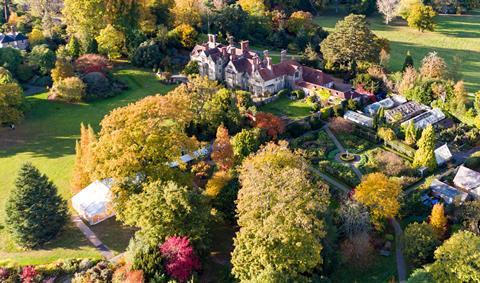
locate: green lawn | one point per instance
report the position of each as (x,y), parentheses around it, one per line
(454,36)
(293,109)
(47,139)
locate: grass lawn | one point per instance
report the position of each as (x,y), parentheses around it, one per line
(454,36)
(293,109)
(46,138)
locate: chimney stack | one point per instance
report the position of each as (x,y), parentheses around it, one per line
(283,55)
(244,46)
(233,54)
(224,52)
(269,63)
(230,40)
(256,62)
(212,38)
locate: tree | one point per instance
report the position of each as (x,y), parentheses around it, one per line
(338,49)
(409,80)
(420,275)
(354,219)
(222,153)
(84,18)
(470,215)
(421,17)
(458,259)
(420,243)
(111,42)
(408,62)
(89,63)
(147,55)
(185,34)
(215,185)
(141,255)
(380,195)
(10,59)
(246,142)
(42,58)
(358,250)
(142,139)
(433,66)
(438,221)
(186,12)
(73,47)
(389,9)
(82,170)
(166,208)
(410,133)
(63,69)
(425,155)
(180,258)
(35,213)
(341,125)
(191,68)
(36,37)
(384,58)
(299,20)
(11,103)
(271,124)
(253,7)
(70,89)
(279,213)
(386,134)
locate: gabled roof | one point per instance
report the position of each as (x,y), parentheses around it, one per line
(17,36)
(315,76)
(467,178)
(6,38)
(287,67)
(448,193)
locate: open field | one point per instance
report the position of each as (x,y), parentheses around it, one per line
(454,36)
(293,109)
(46,138)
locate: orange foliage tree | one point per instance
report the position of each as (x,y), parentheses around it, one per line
(222,152)
(84,160)
(272,124)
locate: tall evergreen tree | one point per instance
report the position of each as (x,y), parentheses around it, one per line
(35,212)
(438,221)
(425,155)
(408,61)
(410,133)
(73,47)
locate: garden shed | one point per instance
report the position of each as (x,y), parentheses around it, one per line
(94,203)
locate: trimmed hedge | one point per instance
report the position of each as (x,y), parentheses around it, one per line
(401,147)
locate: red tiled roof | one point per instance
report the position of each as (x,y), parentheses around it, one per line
(287,67)
(315,76)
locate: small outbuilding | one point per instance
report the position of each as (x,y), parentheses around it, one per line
(448,193)
(94,203)
(359,118)
(443,155)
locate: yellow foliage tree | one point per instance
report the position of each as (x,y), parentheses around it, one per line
(438,221)
(215,185)
(82,170)
(381,195)
(36,37)
(187,12)
(253,7)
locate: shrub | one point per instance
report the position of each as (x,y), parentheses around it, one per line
(97,85)
(24,72)
(29,274)
(70,89)
(473,162)
(191,68)
(420,243)
(89,63)
(5,76)
(146,257)
(216,184)
(284,92)
(298,93)
(180,258)
(42,58)
(343,172)
(10,58)
(101,272)
(147,55)
(271,124)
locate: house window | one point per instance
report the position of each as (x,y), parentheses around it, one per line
(297,75)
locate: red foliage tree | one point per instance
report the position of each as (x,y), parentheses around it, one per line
(180,258)
(90,63)
(222,152)
(28,274)
(272,124)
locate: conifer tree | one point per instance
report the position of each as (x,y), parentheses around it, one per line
(438,221)
(425,155)
(410,133)
(222,152)
(73,47)
(35,212)
(82,172)
(408,61)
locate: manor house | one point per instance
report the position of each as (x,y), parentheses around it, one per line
(244,69)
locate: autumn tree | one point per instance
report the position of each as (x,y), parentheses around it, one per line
(36,37)
(222,153)
(420,243)
(111,42)
(246,142)
(84,159)
(279,213)
(73,47)
(358,250)
(438,221)
(63,69)
(421,17)
(425,154)
(386,134)
(11,103)
(337,48)
(381,195)
(410,133)
(167,208)
(457,259)
(433,66)
(408,81)
(35,212)
(186,12)
(341,125)
(299,20)
(185,34)
(354,219)
(389,9)
(215,184)
(84,18)
(142,139)
(271,124)
(71,89)
(253,7)
(180,258)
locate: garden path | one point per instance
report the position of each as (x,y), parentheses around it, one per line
(330,180)
(101,247)
(341,149)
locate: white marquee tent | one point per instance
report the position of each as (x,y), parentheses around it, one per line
(94,203)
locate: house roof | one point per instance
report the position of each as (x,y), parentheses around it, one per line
(443,154)
(4,38)
(406,111)
(467,178)
(448,193)
(424,119)
(358,118)
(287,67)
(315,76)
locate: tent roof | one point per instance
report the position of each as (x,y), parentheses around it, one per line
(94,198)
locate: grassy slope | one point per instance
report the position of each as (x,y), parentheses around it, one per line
(47,139)
(454,36)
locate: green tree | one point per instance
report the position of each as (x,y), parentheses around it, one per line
(35,213)
(410,133)
(420,243)
(42,58)
(10,58)
(11,103)
(337,48)
(246,142)
(458,259)
(425,155)
(408,62)
(70,89)
(163,209)
(63,69)
(147,55)
(84,18)
(421,275)
(422,18)
(73,47)
(280,217)
(185,34)
(111,42)
(6,77)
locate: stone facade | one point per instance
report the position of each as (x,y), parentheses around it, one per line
(241,68)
